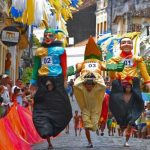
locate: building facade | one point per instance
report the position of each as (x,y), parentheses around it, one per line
(101,17)
(128,15)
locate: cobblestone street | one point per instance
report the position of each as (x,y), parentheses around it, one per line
(71,142)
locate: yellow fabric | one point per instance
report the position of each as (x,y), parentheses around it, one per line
(143,71)
(113,124)
(90,103)
(135,43)
(43,71)
(30,9)
(131,35)
(41,52)
(148,123)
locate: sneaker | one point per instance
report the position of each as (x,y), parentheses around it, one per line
(89,146)
(50,147)
(126,144)
(102,134)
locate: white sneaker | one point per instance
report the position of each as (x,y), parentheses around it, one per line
(126,144)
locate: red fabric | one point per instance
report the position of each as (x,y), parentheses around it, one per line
(104,112)
(14,98)
(147,82)
(126,55)
(63,62)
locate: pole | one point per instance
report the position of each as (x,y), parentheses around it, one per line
(111,8)
(30,33)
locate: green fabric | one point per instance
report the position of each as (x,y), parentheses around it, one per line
(37,65)
(50,30)
(54,31)
(109,55)
(109,122)
(92,56)
(115,67)
(70,71)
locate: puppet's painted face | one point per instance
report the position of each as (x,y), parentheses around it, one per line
(126,45)
(49,38)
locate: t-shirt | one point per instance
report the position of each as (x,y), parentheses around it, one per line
(5,96)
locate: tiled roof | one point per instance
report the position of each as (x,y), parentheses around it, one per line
(86,3)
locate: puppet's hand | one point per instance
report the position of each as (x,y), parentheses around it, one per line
(115,67)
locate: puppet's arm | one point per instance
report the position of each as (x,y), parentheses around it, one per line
(63,62)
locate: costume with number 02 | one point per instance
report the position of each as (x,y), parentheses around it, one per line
(127,114)
(90,102)
(52,110)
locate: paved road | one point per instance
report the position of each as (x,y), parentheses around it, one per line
(71,142)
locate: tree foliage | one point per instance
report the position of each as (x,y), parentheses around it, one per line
(26,76)
(147,62)
(36,41)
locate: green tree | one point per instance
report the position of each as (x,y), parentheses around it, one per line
(27,74)
(36,41)
(147,62)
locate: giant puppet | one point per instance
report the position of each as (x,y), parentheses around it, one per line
(126,102)
(52,110)
(89,87)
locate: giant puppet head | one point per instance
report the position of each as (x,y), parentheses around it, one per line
(50,35)
(126,45)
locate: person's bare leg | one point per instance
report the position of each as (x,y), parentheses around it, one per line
(75,131)
(80,131)
(128,134)
(50,146)
(87,133)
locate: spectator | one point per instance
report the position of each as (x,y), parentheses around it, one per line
(76,122)
(5,95)
(71,83)
(1,99)
(20,94)
(147,116)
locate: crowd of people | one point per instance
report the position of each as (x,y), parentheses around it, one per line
(11,94)
(16,105)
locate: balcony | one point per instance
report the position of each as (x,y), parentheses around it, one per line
(3,7)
